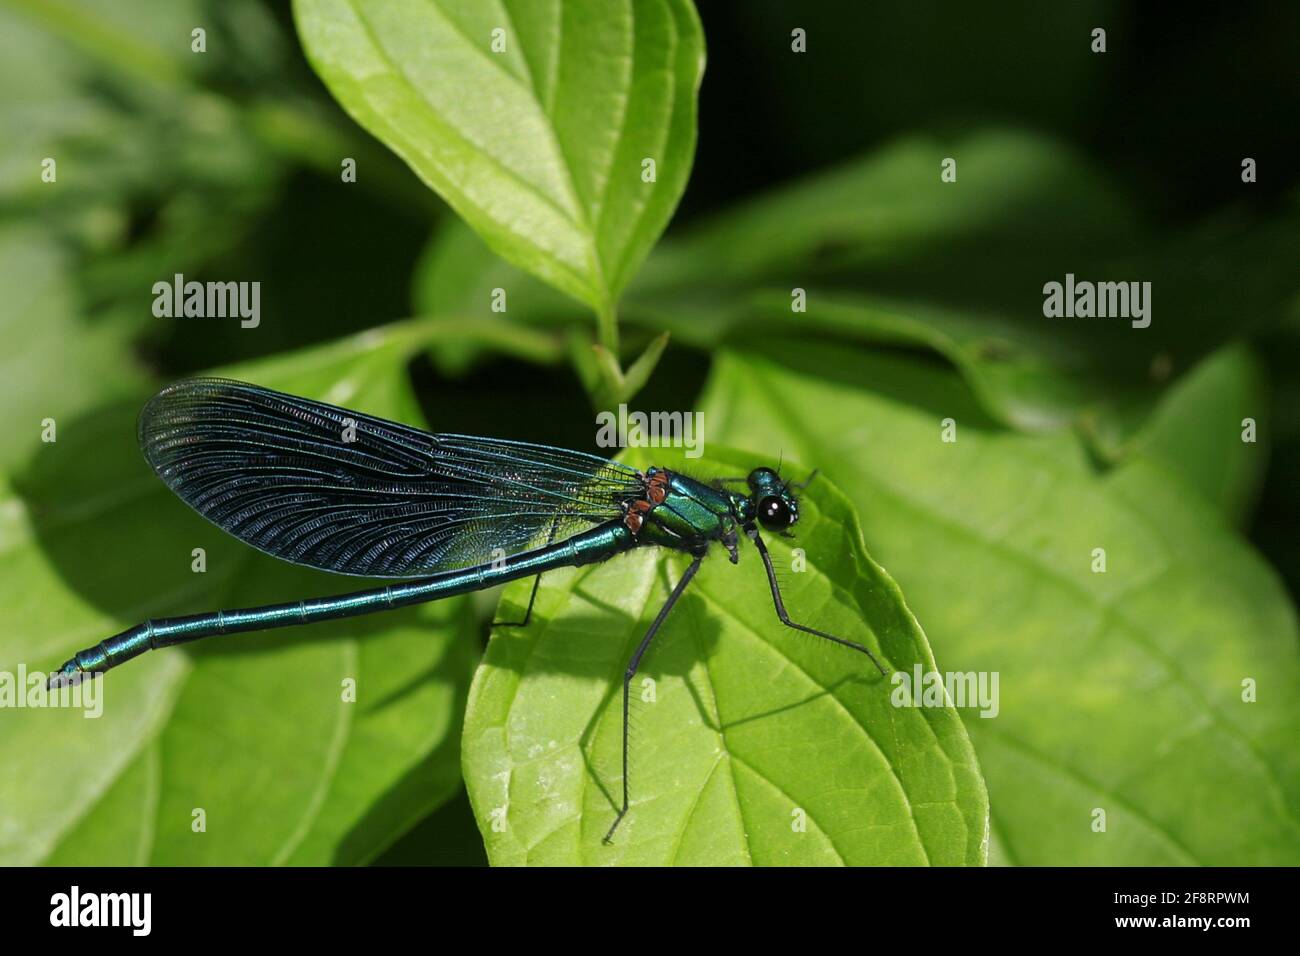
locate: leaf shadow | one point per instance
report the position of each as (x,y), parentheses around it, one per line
(828,691)
(571,651)
(427,784)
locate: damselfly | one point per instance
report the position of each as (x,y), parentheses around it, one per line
(329,488)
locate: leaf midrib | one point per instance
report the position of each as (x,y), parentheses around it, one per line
(400,73)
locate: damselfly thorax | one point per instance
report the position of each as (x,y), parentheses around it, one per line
(684,514)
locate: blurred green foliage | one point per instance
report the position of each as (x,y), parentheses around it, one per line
(820,171)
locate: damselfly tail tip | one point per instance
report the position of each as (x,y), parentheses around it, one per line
(70,673)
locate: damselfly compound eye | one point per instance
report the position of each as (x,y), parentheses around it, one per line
(774,514)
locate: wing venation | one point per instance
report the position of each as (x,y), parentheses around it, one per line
(335,489)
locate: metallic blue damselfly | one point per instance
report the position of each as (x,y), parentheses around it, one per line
(334,489)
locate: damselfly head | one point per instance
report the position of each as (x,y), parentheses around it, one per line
(774,506)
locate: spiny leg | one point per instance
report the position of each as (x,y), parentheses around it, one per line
(528,614)
(785,617)
(631,672)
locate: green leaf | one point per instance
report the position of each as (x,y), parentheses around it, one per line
(456,275)
(1187,434)
(612,384)
(538,146)
(109,91)
(751,722)
(136,36)
(1032,377)
(886,252)
(837,233)
(639,372)
(1120,691)
(609,377)
(888,209)
(251,729)
(54,366)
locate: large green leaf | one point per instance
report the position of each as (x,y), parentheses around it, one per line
(751,723)
(540,144)
(1186,432)
(1120,691)
(54,365)
(251,729)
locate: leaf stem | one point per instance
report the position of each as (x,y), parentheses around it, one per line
(609,369)
(607,327)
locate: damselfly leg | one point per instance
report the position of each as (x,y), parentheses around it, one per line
(784,615)
(631,672)
(532,597)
